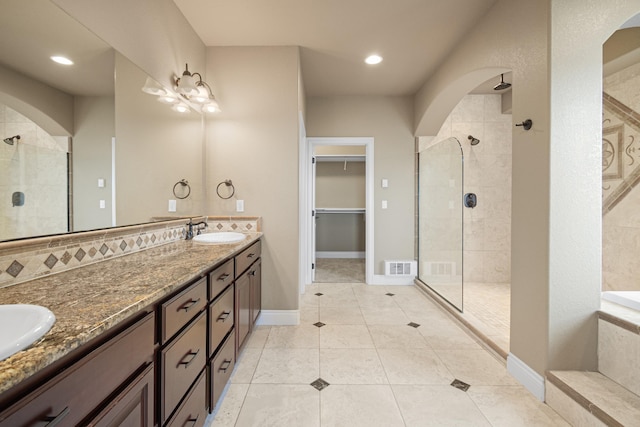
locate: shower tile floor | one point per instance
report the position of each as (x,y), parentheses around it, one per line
(487,306)
(390,357)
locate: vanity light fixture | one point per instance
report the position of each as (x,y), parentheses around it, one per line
(168,99)
(373,59)
(152,87)
(181,107)
(196,90)
(62,60)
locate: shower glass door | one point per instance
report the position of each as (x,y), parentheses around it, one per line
(440,219)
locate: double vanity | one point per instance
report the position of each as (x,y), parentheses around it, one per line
(150,338)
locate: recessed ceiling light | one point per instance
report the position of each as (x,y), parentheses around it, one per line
(62,60)
(373,59)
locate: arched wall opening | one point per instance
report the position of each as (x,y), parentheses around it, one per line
(556,58)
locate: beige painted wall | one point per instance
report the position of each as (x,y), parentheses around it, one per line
(254,142)
(554,48)
(389,121)
(340,188)
(155,148)
(94,128)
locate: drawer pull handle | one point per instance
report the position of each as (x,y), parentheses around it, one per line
(223,277)
(188,362)
(223,317)
(251,255)
(189,304)
(53,421)
(225,365)
(193,420)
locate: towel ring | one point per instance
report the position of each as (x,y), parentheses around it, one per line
(228,183)
(184,183)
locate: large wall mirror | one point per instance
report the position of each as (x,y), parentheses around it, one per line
(94,151)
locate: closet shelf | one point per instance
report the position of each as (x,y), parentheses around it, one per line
(340,158)
(340,210)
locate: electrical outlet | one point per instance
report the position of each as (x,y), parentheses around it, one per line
(172,205)
(384,204)
(239,205)
(103,204)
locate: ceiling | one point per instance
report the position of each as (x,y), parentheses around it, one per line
(31,31)
(413,36)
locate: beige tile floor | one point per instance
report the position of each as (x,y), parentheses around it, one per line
(380,370)
(339,270)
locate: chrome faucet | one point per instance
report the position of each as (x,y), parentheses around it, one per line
(198,227)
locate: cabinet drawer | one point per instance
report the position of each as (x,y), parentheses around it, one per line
(245,258)
(183,307)
(193,410)
(221,369)
(220,278)
(220,319)
(69,397)
(181,363)
(133,407)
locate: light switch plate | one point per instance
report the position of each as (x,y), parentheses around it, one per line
(385,183)
(239,205)
(100,182)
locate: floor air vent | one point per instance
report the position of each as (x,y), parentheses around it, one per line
(400,268)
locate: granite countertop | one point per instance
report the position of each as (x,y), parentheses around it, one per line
(89,300)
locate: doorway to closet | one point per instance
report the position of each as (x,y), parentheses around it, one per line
(340,193)
(340,197)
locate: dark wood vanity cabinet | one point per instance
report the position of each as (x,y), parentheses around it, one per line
(248,292)
(167,366)
(111,384)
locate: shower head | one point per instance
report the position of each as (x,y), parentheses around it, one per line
(474,141)
(11,139)
(502,85)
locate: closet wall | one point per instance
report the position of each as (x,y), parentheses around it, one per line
(340,207)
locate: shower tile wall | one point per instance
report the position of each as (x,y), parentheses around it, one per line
(621,176)
(36,166)
(487,172)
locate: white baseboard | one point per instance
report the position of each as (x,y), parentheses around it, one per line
(530,379)
(381,279)
(279,317)
(340,254)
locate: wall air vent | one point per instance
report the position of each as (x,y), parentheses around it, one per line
(400,268)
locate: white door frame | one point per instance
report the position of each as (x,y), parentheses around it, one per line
(306,203)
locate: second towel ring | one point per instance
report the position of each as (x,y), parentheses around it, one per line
(184,183)
(228,183)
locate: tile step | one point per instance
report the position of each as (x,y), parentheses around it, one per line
(605,399)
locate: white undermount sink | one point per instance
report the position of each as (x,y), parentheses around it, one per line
(21,325)
(220,237)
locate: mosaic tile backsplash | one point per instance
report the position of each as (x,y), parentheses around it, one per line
(28,259)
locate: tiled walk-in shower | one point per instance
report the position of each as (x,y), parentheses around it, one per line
(386,355)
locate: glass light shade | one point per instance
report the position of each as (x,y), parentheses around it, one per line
(168,99)
(202,96)
(180,108)
(211,107)
(152,87)
(187,85)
